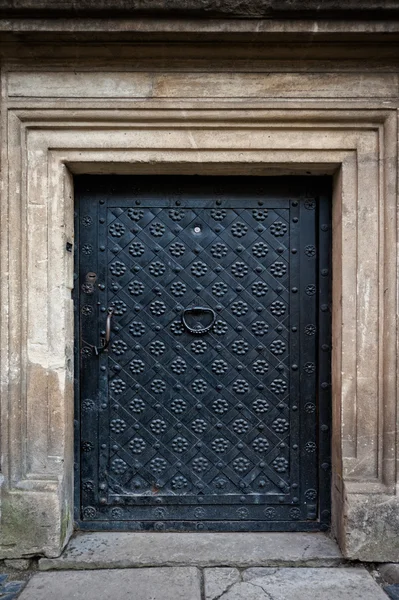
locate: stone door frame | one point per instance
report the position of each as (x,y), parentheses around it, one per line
(43,147)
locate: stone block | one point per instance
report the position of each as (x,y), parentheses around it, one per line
(126,550)
(140,584)
(302,584)
(18,564)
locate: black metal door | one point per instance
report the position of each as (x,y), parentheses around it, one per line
(210,407)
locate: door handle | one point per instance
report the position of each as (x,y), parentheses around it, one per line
(198,330)
(107,339)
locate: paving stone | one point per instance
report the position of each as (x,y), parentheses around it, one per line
(392,591)
(218,580)
(302,584)
(18,564)
(127,584)
(113,550)
(390,572)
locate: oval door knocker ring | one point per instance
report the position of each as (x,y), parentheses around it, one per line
(198,319)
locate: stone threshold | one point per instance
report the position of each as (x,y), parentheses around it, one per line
(122,550)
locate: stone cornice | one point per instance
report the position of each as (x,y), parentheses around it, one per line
(253,9)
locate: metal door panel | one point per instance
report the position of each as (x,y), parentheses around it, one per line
(221,429)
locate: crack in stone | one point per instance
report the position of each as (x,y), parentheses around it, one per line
(229,587)
(270,597)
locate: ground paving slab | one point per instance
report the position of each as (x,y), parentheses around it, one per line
(116,550)
(190,583)
(127,584)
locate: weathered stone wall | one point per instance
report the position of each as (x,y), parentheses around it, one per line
(313,108)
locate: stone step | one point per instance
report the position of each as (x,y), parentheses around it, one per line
(116,550)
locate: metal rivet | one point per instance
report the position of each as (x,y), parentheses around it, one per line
(102,201)
(218,229)
(218,202)
(117,368)
(280,368)
(259,348)
(103,368)
(178,202)
(279,329)
(324,272)
(295,203)
(102,248)
(262,464)
(280,250)
(198,406)
(294,407)
(103,446)
(115,447)
(103,405)
(325,466)
(101,286)
(260,202)
(218,269)
(259,269)
(294,486)
(259,309)
(294,329)
(324,427)
(295,220)
(279,290)
(103,501)
(239,288)
(325,347)
(294,367)
(294,290)
(138,202)
(282,445)
(219,426)
(295,447)
(239,328)
(261,426)
(324,227)
(295,499)
(294,251)
(325,385)
(218,347)
(260,229)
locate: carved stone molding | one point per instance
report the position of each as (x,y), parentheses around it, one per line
(45,142)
